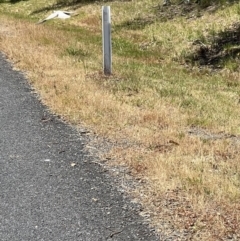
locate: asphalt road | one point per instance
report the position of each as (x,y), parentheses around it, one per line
(49,188)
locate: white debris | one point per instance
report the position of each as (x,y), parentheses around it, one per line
(57,14)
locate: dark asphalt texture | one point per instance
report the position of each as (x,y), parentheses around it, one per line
(43,196)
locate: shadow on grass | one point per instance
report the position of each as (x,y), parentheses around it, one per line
(71,3)
(11,1)
(135,24)
(188,9)
(220,50)
(175,8)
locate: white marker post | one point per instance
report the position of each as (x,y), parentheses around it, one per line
(106,36)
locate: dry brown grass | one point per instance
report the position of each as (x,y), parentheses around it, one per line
(190,176)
